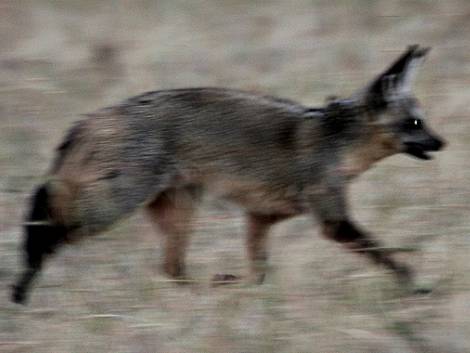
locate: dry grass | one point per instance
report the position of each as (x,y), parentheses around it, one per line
(60,59)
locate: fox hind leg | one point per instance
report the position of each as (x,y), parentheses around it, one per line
(172,211)
(256,243)
(58,215)
(258,226)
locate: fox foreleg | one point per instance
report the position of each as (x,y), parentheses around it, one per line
(348,234)
(330,208)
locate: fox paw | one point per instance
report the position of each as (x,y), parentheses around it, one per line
(221,279)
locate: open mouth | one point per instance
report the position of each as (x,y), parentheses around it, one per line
(419,151)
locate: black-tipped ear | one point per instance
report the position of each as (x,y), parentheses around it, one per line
(399,77)
(401,65)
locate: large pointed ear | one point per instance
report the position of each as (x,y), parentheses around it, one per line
(399,77)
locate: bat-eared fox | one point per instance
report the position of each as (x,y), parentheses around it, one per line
(275,158)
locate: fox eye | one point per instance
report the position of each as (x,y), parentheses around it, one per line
(413,123)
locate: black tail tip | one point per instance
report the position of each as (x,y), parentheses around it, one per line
(18,295)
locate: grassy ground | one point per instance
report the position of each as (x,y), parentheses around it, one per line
(59,59)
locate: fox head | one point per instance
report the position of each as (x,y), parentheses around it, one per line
(395,113)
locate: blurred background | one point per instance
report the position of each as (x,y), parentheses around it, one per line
(60,59)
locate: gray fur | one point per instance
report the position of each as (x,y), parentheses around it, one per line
(273,157)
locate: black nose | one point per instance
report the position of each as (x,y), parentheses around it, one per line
(439,144)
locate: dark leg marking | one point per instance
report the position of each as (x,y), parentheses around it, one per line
(346,233)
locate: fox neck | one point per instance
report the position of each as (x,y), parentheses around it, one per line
(365,143)
(372,147)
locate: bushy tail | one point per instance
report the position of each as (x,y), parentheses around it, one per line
(42,232)
(42,235)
